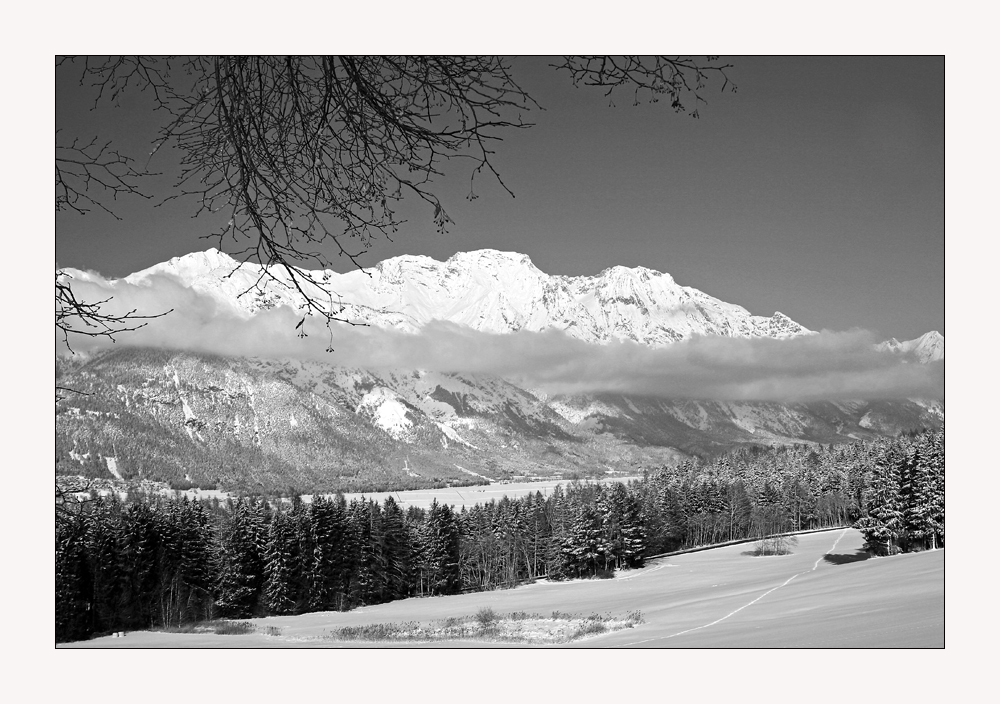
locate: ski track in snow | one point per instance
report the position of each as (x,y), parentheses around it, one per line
(733,613)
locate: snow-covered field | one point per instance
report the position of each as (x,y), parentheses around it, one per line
(822,595)
(469,495)
(422,498)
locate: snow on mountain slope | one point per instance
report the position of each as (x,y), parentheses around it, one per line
(386,411)
(489,291)
(929,347)
(314,425)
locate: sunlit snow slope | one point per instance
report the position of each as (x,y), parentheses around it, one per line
(490,291)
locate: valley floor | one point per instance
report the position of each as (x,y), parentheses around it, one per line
(824,594)
(458,497)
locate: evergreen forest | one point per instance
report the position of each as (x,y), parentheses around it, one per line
(158,563)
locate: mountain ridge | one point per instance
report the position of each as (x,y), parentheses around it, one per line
(250,422)
(490,296)
(486,290)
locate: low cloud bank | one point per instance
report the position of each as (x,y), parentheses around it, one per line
(827,365)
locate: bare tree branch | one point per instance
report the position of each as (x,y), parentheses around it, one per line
(88,318)
(675,77)
(87,172)
(303,151)
(72,496)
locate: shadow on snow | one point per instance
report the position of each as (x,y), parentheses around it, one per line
(846,559)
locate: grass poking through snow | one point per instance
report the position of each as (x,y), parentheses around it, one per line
(225,628)
(489,626)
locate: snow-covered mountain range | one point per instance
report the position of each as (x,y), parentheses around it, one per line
(489,291)
(313,424)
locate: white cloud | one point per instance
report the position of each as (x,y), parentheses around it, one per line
(827,365)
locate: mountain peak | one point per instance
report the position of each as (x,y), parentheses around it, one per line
(211,258)
(780,325)
(189,266)
(493,291)
(480,257)
(929,347)
(404,261)
(638,272)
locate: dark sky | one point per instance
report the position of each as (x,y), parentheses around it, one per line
(817,190)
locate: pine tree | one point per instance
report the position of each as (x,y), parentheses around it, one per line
(441,546)
(559,517)
(186,566)
(537,533)
(104,565)
(478,547)
(324,569)
(883,522)
(770,511)
(585,550)
(302,554)
(138,547)
(508,533)
(74,585)
(924,511)
(241,556)
(395,552)
(332,565)
(656,516)
(279,559)
(634,542)
(365,520)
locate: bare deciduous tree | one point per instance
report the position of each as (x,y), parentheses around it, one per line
(308,150)
(87,172)
(677,78)
(89,319)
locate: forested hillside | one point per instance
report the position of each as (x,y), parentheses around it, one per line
(154,562)
(270,426)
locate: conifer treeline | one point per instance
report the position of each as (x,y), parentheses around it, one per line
(162,563)
(904,499)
